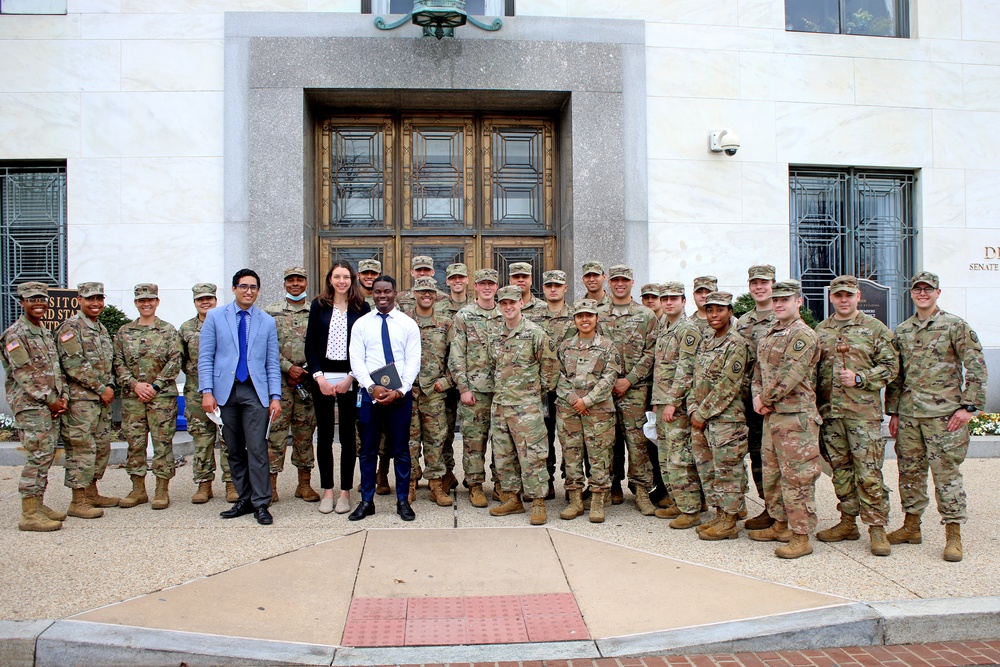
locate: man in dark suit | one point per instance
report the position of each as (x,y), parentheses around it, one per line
(239,370)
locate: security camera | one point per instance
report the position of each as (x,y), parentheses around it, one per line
(724,141)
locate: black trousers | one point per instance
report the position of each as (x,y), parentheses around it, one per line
(346,409)
(244,427)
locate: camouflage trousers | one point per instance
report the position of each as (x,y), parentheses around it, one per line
(705,464)
(591,436)
(475,434)
(86,434)
(428,432)
(728,441)
(204,436)
(673,448)
(630,410)
(39,436)
(298,415)
(521,446)
(790,451)
(158,419)
(925,442)
(854,448)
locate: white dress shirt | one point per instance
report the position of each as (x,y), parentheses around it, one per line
(366,347)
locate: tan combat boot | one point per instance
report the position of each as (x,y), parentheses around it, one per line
(32,518)
(847,529)
(725,529)
(880,543)
(598,499)
(777,532)
(231,494)
(97,500)
(274,488)
(161,498)
(797,547)
(908,533)
(81,508)
(538,515)
(203,494)
(953,542)
(642,501)
(685,521)
(438,494)
(575,507)
(759,522)
(449,481)
(137,496)
(666,502)
(51,514)
(711,522)
(511,505)
(617,495)
(476,496)
(382,477)
(670,511)
(304,490)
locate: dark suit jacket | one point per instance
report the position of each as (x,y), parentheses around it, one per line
(318,334)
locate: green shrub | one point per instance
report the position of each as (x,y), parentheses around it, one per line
(113,319)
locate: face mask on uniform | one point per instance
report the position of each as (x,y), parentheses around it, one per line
(295,298)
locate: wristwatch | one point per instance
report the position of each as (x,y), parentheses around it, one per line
(971,409)
(371,389)
(858,380)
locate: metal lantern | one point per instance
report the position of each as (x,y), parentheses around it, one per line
(438,18)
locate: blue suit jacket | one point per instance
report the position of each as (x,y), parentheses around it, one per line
(219,352)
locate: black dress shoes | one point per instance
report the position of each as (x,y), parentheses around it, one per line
(364,508)
(263,516)
(239,508)
(404,511)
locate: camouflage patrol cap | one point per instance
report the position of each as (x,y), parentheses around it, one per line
(844,284)
(457,269)
(295,271)
(203,289)
(786,288)
(711,283)
(592,267)
(519,269)
(32,288)
(557,277)
(487,275)
(651,288)
(585,306)
(672,288)
(620,271)
(147,291)
(926,277)
(719,299)
(87,290)
(422,262)
(509,293)
(424,284)
(372,265)
(761,271)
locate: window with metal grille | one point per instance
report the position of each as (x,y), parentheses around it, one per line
(881,18)
(32,230)
(852,221)
(473,7)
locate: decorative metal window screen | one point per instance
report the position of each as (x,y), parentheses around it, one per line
(881,18)
(32,231)
(855,222)
(357,177)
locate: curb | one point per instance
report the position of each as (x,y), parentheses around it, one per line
(11,453)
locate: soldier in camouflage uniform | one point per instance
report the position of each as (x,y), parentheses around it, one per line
(673,374)
(429,425)
(533,308)
(585,413)
(87,356)
(421,266)
(458,297)
(703,286)
(368,271)
(593,277)
(473,328)
(753,325)
(930,407)
(650,296)
(205,434)
(859,359)
(38,396)
(557,320)
(297,413)
(784,392)
(659,494)
(147,361)
(633,329)
(522,359)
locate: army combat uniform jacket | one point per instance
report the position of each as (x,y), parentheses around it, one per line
(589,371)
(87,355)
(871,353)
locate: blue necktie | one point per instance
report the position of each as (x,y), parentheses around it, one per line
(386,346)
(242,372)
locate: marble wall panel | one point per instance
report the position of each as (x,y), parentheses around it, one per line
(861,46)
(346,6)
(93,191)
(979,53)
(695,191)
(982,205)
(40,125)
(60,66)
(954,300)
(94,6)
(855,135)
(901,83)
(980,314)
(40,27)
(765,193)
(942,197)
(678,128)
(153,26)
(543,7)
(214,6)
(174,190)
(980,20)
(152,124)
(796,78)
(675,11)
(180,64)
(962,258)
(937,19)
(734,38)
(966,139)
(762,13)
(980,85)
(692,73)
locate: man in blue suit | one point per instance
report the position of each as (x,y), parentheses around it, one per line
(239,370)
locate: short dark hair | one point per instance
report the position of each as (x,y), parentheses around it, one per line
(243,273)
(385,279)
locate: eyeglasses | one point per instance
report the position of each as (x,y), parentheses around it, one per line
(247,288)
(923,290)
(36,299)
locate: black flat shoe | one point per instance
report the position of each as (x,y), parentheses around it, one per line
(263,516)
(364,508)
(404,511)
(239,508)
